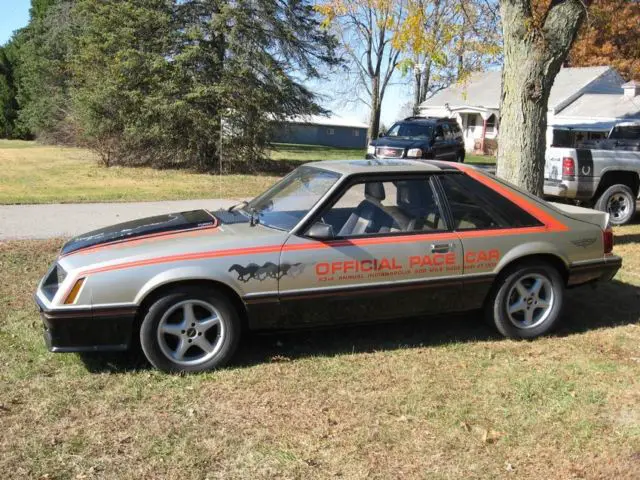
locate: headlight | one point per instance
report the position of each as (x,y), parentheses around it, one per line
(414,153)
(371,150)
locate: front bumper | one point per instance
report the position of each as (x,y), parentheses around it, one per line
(594,271)
(87,330)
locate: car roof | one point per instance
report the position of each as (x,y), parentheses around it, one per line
(350,167)
(429,120)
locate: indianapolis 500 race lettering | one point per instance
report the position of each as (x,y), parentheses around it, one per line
(415,264)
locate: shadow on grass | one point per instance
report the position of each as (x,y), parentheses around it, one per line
(610,305)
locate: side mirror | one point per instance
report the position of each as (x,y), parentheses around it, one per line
(320,231)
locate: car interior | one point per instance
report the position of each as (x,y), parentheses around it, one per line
(383,207)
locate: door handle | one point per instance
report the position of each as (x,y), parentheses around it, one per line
(440,247)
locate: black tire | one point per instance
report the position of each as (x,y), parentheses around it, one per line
(169,313)
(502,295)
(619,202)
(460,157)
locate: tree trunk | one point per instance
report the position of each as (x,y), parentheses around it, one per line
(374,120)
(533,56)
(426,79)
(417,93)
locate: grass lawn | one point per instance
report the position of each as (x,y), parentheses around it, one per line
(415,399)
(32,173)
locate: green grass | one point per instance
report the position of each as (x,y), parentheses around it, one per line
(418,398)
(33,173)
(482,159)
(310,153)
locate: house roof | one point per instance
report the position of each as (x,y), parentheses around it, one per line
(483,89)
(331,121)
(603,106)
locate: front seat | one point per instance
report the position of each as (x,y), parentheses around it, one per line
(415,200)
(369,216)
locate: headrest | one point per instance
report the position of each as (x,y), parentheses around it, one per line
(374,190)
(413,194)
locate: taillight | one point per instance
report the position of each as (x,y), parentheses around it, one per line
(568,167)
(607,240)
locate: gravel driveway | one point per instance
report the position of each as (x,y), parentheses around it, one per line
(66,220)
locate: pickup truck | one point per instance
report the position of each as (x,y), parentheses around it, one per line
(605,177)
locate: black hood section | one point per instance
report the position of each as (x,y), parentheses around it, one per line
(142,227)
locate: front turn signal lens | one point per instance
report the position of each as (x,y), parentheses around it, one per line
(73,294)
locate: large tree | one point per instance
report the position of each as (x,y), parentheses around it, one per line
(366,29)
(536,43)
(43,74)
(610,36)
(168,82)
(443,41)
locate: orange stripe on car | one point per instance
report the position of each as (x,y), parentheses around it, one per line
(552,224)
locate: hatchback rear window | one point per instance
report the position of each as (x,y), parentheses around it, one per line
(475,206)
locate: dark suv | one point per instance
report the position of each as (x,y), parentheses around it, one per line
(420,137)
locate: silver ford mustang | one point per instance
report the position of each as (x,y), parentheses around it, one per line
(331,243)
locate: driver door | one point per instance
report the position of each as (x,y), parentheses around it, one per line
(389,254)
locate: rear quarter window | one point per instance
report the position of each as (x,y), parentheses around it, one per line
(475,206)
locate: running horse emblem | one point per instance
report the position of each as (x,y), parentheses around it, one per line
(268,270)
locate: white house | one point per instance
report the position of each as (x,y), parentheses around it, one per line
(584,104)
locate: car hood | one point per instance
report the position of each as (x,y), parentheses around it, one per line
(165,236)
(144,227)
(400,142)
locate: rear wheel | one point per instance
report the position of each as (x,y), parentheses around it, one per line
(526,300)
(459,157)
(190,330)
(619,202)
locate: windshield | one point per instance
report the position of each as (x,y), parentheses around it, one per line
(410,130)
(627,132)
(284,204)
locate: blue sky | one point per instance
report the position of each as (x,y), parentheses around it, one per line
(14,14)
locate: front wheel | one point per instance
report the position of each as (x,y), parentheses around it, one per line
(619,202)
(190,329)
(526,301)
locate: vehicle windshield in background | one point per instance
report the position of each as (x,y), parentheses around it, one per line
(410,130)
(284,204)
(625,133)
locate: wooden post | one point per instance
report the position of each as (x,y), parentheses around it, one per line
(484,133)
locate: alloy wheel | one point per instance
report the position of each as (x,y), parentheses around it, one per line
(530,301)
(191,332)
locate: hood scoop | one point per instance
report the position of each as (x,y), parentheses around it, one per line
(142,228)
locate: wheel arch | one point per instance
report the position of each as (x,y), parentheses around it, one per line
(553,258)
(609,178)
(157,291)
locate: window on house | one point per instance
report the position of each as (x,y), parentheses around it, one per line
(331,131)
(491,124)
(356,132)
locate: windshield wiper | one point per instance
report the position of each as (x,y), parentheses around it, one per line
(242,204)
(254,217)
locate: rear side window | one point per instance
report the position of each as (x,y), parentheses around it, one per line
(475,206)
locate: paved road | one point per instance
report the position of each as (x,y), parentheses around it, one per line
(66,220)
